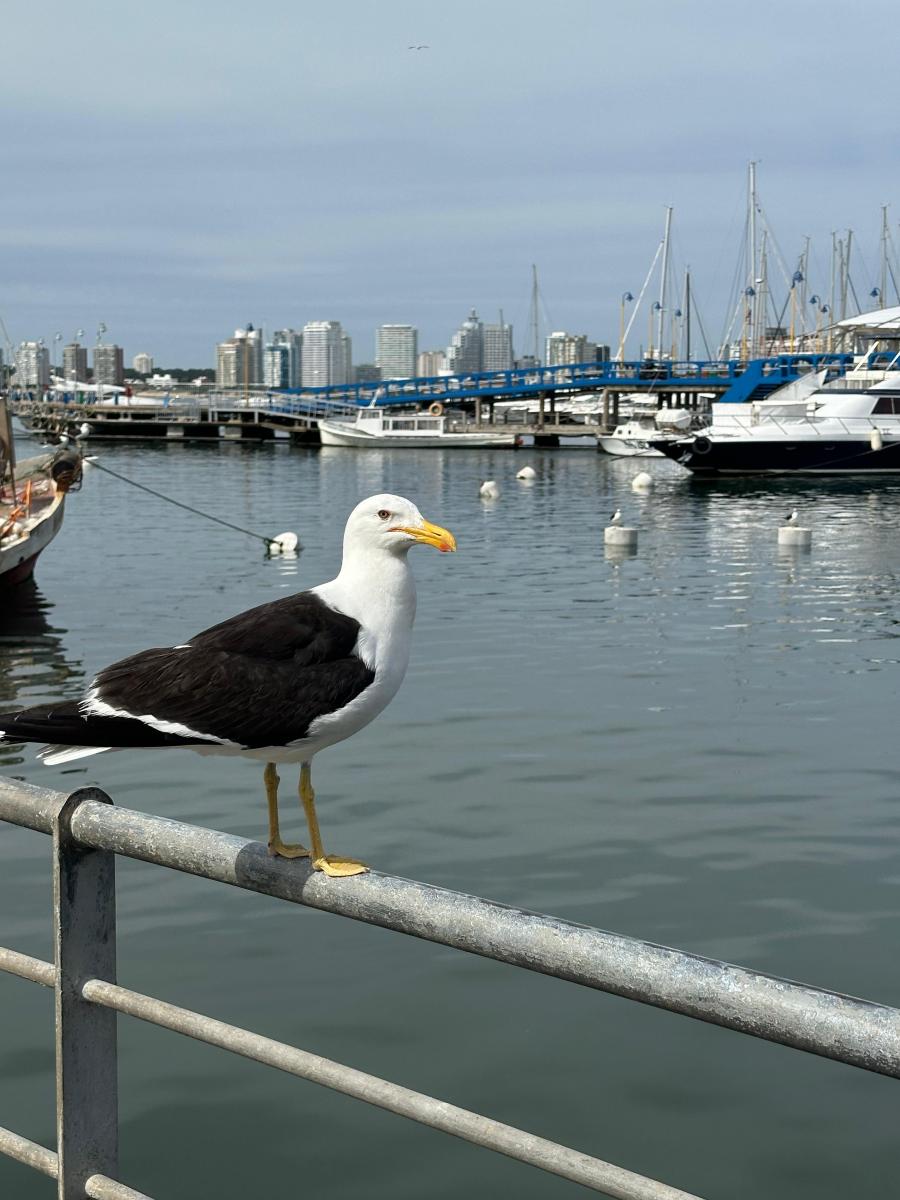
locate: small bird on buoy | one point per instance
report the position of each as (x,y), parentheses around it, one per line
(489,490)
(617,534)
(526,473)
(642,482)
(792,534)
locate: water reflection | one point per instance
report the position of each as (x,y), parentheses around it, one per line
(34,663)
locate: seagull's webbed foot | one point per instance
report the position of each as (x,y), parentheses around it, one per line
(328,864)
(280,849)
(331,864)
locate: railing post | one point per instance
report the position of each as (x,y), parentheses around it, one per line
(84,919)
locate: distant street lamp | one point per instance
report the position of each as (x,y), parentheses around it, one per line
(656,307)
(676,332)
(814,300)
(750,293)
(796,278)
(626,299)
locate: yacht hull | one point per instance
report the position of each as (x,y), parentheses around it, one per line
(820,456)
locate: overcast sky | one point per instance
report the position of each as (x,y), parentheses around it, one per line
(175,169)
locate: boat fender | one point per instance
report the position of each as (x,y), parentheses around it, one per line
(875,439)
(436,409)
(65,470)
(702,445)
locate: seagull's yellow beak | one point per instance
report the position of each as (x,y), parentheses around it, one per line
(430,535)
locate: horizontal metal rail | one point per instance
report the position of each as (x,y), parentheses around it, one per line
(854,1031)
(39,1158)
(426,1110)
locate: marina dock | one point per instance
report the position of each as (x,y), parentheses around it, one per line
(533,403)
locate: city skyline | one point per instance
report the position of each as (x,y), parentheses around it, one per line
(418,186)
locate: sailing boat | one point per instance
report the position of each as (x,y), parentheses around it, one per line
(32,502)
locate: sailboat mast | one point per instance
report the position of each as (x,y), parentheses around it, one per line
(831,301)
(752,305)
(884,256)
(762,303)
(663,281)
(687,314)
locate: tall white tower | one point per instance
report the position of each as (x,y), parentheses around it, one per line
(396,347)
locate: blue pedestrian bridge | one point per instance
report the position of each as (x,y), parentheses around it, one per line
(731,380)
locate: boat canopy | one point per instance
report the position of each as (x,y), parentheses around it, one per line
(883,322)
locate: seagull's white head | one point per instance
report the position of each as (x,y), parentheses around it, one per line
(392,524)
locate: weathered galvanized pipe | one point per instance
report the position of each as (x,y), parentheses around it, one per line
(27,967)
(821,1022)
(39,1158)
(525,1147)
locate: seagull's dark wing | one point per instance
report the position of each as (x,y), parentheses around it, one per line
(258,679)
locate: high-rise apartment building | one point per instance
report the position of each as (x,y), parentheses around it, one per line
(347,347)
(109,365)
(239,360)
(142,364)
(396,347)
(75,364)
(327,354)
(32,365)
(466,349)
(562,349)
(498,347)
(281,359)
(431,363)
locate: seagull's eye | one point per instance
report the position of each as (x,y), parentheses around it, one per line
(383,513)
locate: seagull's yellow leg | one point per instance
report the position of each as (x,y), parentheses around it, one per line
(276,845)
(330,864)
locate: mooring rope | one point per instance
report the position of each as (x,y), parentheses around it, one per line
(269,542)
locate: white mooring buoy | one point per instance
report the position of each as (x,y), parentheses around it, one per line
(526,473)
(489,490)
(792,534)
(617,534)
(286,544)
(642,482)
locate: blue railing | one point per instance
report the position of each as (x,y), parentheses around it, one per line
(738,379)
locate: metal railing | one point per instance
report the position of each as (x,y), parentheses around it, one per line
(88,832)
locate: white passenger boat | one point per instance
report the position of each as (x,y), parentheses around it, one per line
(432,430)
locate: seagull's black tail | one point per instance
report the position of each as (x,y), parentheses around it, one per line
(64,724)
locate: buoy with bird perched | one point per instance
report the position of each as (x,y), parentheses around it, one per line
(617,534)
(489,490)
(793,534)
(276,684)
(642,482)
(526,473)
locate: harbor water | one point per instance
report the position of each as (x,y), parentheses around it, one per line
(692,745)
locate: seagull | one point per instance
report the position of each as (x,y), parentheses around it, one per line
(616,518)
(791,518)
(277,683)
(423,47)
